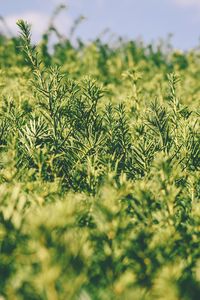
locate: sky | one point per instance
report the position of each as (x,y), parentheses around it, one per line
(131,19)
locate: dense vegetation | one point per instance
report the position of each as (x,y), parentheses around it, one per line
(99,170)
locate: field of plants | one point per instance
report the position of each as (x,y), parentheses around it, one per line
(99,170)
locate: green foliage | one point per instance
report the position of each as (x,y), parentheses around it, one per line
(99,183)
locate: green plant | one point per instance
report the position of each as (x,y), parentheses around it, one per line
(99,183)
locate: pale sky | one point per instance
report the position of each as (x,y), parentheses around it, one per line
(149,19)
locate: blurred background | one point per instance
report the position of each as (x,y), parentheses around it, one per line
(148,20)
